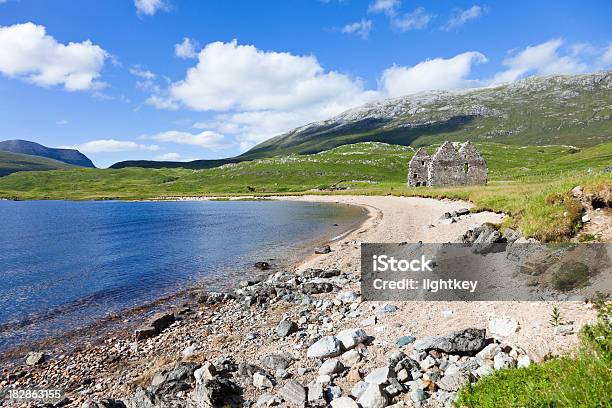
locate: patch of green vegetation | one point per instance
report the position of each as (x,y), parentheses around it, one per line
(14,162)
(535,197)
(582,380)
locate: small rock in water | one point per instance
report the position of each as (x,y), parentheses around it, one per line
(294,393)
(35,357)
(323,250)
(405,340)
(286,328)
(328,346)
(264,266)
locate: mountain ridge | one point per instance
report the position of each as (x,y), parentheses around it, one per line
(68,156)
(550,110)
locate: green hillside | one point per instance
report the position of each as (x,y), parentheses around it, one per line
(526,182)
(14,162)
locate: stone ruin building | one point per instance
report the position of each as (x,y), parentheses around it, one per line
(448,167)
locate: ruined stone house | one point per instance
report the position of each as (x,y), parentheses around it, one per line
(448,167)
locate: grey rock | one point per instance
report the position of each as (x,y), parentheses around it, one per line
(452,382)
(286,328)
(294,393)
(462,211)
(145,332)
(469,340)
(379,376)
(161,321)
(351,357)
(104,403)
(35,358)
(564,329)
(141,399)
(172,379)
(275,362)
(218,392)
(323,250)
(315,288)
(267,400)
(333,392)
(387,309)
(328,346)
(405,340)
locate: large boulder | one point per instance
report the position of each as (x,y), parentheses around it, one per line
(171,379)
(466,341)
(218,392)
(351,337)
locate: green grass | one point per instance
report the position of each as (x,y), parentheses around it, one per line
(14,162)
(583,380)
(528,183)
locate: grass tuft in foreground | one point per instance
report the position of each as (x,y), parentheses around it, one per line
(584,380)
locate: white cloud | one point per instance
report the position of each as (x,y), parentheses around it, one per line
(28,53)
(168,157)
(111,146)
(147,78)
(61,122)
(150,7)
(416,20)
(186,49)
(231,76)
(542,59)
(463,16)
(361,28)
(435,74)
(388,7)
(206,139)
(606,58)
(261,93)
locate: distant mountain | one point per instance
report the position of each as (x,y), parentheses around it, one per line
(194,165)
(14,162)
(69,156)
(560,109)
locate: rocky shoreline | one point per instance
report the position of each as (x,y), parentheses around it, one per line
(306,338)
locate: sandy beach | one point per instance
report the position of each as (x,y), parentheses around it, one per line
(211,331)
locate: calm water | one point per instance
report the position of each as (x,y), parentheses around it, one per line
(65,265)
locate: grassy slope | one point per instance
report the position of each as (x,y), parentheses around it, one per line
(524,180)
(583,380)
(14,162)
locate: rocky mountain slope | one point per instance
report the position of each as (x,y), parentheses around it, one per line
(68,156)
(572,110)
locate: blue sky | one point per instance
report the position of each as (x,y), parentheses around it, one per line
(181,80)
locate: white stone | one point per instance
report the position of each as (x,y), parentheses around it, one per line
(261,381)
(482,371)
(523,362)
(378,376)
(188,351)
(488,352)
(351,337)
(502,361)
(344,402)
(331,366)
(204,373)
(328,346)
(503,327)
(373,397)
(347,297)
(351,357)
